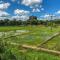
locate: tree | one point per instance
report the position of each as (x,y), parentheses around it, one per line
(32,20)
(32,17)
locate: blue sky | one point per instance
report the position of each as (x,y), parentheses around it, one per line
(22,9)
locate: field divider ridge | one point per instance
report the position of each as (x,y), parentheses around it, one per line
(36,48)
(51,37)
(15,35)
(41,49)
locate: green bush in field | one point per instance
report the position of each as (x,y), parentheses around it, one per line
(5,53)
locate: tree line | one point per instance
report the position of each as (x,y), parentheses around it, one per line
(31,21)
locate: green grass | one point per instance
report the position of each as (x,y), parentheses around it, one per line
(33,28)
(53,44)
(28,54)
(35,36)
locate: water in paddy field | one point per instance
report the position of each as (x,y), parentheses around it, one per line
(17,32)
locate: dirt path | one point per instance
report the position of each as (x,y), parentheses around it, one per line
(41,49)
(36,48)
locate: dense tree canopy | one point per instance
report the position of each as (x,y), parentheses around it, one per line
(31,21)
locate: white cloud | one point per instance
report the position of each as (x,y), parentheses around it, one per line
(36,10)
(21,12)
(2,18)
(35,5)
(42,8)
(4,6)
(58,12)
(3,14)
(15,17)
(23,17)
(26,2)
(31,2)
(47,15)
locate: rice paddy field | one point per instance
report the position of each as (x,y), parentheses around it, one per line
(53,44)
(34,36)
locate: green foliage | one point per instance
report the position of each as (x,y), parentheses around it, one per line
(31,21)
(35,36)
(5,53)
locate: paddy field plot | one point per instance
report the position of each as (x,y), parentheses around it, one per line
(53,44)
(34,36)
(30,35)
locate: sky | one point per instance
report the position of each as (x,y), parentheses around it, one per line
(22,9)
